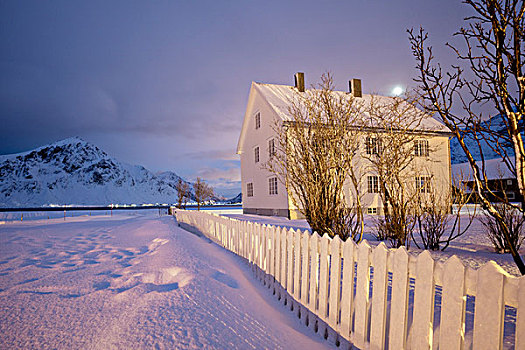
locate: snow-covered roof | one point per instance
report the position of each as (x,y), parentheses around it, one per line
(279,98)
(494,168)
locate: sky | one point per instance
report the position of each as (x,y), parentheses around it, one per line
(164,84)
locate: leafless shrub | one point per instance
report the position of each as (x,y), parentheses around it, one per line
(514,221)
(437,225)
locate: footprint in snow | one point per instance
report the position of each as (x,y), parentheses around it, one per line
(225,279)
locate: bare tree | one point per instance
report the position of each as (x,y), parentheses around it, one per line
(437,225)
(391,153)
(490,72)
(203,192)
(314,157)
(183,192)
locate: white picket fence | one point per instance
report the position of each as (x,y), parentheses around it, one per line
(353,294)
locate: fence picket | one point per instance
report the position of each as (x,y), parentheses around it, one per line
(520,317)
(323,276)
(260,248)
(422,327)
(347,294)
(235,240)
(335,282)
(362,294)
(264,248)
(256,244)
(248,240)
(270,248)
(305,273)
(314,272)
(277,254)
(297,265)
(248,229)
(399,302)
(379,297)
(284,257)
(289,267)
(489,309)
(452,327)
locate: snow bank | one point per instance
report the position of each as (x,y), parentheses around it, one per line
(132,282)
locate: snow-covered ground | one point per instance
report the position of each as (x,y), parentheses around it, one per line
(473,248)
(132,280)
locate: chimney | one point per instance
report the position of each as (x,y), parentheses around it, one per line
(299,81)
(355,87)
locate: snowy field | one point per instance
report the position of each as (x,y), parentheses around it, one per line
(132,280)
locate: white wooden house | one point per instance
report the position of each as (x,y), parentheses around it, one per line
(263,194)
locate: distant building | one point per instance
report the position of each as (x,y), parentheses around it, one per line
(500,180)
(263,194)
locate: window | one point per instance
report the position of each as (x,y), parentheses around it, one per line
(249,189)
(509,181)
(373,145)
(511,196)
(373,184)
(372,210)
(271,148)
(272,185)
(423,184)
(421,148)
(257,120)
(256,150)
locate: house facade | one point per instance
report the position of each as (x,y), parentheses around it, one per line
(501,181)
(268,106)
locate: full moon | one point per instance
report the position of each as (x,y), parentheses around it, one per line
(398,90)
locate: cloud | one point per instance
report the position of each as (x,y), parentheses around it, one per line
(225,182)
(220,175)
(225,154)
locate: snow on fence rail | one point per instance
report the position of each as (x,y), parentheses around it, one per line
(374,298)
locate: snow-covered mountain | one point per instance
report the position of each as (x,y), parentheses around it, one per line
(73,171)
(235,200)
(458,156)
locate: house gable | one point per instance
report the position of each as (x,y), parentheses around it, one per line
(255,93)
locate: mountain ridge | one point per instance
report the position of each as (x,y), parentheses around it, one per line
(49,174)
